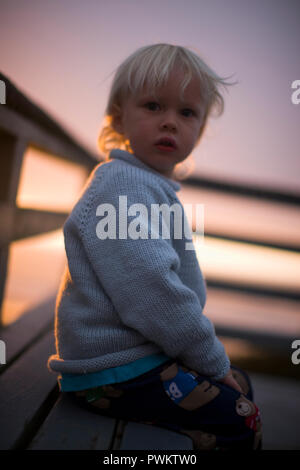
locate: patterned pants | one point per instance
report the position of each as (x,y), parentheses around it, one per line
(171,396)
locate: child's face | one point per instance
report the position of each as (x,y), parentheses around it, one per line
(145,121)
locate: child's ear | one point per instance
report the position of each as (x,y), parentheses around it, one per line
(117,123)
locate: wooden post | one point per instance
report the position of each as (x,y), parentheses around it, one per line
(12,150)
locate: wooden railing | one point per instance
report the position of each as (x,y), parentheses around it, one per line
(261,195)
(23,124)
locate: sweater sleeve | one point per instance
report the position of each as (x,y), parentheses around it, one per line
(140,276)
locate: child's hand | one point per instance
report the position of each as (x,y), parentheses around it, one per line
(231,382)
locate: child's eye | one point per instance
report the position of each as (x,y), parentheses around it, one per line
(152,106)
(188,112)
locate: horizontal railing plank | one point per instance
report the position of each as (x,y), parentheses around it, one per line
(39,138)
(263,339)
(245,190)
(295,248)
(19,104)
(258,289)
(21,223)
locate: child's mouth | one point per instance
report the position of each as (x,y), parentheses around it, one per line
(165,148)
(166,145)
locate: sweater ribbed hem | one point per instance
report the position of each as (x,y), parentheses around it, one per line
(85,366)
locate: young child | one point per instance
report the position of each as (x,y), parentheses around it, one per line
(131,336)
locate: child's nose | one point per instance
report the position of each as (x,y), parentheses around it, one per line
(169,121)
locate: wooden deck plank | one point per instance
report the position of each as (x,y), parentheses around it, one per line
(24,388)
(27,328)
(70,427)
(278,400)
(147,437)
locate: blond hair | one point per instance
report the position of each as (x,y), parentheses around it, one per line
(150,66)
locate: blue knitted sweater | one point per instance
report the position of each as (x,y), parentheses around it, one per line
(123,298)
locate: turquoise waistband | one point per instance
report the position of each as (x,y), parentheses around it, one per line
(75,382)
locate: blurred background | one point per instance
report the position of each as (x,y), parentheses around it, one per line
(61,55)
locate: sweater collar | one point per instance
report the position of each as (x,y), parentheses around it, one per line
(133,160)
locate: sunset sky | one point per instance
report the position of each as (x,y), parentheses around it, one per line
(62,54)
